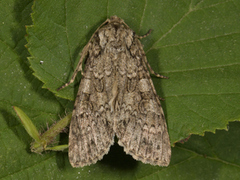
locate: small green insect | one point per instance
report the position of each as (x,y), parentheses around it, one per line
(42,141)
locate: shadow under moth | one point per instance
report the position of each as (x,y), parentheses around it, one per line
(116,96)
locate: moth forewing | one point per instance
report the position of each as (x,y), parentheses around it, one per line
(116,96)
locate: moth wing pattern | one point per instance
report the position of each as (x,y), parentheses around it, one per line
(141,126)
(139,121)
(116,96)
(91,131)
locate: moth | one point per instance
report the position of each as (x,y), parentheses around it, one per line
(116,96)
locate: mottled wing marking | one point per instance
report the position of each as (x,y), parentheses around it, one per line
(91,129)
(141,125)
(117,96)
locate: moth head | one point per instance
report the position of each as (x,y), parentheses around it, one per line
(114,19)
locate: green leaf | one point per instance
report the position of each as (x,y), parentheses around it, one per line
(42,141)
(194,43)
(27,124)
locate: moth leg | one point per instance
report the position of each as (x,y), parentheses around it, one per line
(145,59)
(150,68)
(153,72)
(161,99)
(83,54)
(78,68)
(145,35)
